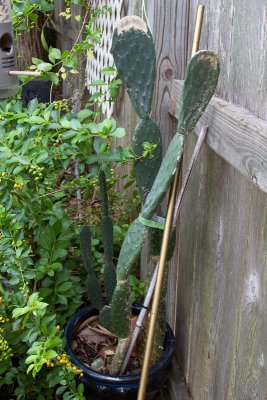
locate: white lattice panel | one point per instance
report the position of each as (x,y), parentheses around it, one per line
(5,11)
(103,56)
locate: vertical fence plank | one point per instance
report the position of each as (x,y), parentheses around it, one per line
(221,301)
(222,283)
(168,20)
(237,31)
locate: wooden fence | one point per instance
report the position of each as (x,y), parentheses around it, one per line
(218,277)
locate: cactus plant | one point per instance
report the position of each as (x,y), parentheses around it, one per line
(134,55)
(204,69)
(92,284)
(107,233)
(93,287)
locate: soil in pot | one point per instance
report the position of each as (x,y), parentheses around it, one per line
(100,385)
(95,346)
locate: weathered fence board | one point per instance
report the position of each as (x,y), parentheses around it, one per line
(236,135)
(237,31)
(221,320)
(217,297)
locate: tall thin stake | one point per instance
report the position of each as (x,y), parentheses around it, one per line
(164,246)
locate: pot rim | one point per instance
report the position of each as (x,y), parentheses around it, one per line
(99,376)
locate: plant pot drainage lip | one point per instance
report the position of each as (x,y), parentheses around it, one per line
(82,315)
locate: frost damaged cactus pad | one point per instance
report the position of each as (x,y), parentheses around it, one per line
(201,77)
(134,55)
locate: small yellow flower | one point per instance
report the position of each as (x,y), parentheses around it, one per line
(3,174)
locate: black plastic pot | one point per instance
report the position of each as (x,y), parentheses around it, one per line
(100,386)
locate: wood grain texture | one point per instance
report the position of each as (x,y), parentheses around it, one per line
(221,320)
(169,31)
(237,31)
(236,135)
(176,387)
(168,20)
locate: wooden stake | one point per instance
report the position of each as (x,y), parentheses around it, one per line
(164,246)
(24,73)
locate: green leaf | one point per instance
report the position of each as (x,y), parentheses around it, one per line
(65,53)
(70,63)
(18,169)
(75,124)
(80,389)
(30,359)
(30,368)
(62,299)
(68,134)
(61,389)
(108,70)
(50,354)
(44,67)
(84,114)
(52,76)
(34,119)
(119,133)
(54,54)
(36,61)
(32,106)
(98,82)
(43,155)
(64,286)
(20,311)
(21,160)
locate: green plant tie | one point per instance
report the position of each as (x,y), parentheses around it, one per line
(156,222)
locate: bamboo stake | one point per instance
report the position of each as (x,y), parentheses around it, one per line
(152,284)
(25,73)
(164,247)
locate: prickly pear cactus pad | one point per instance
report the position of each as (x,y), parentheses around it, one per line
(130,251)
(131,248)
(107,233)
(146,168)
(120,309)
(164,176)
(93,286)
(134,56)
(201,77)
